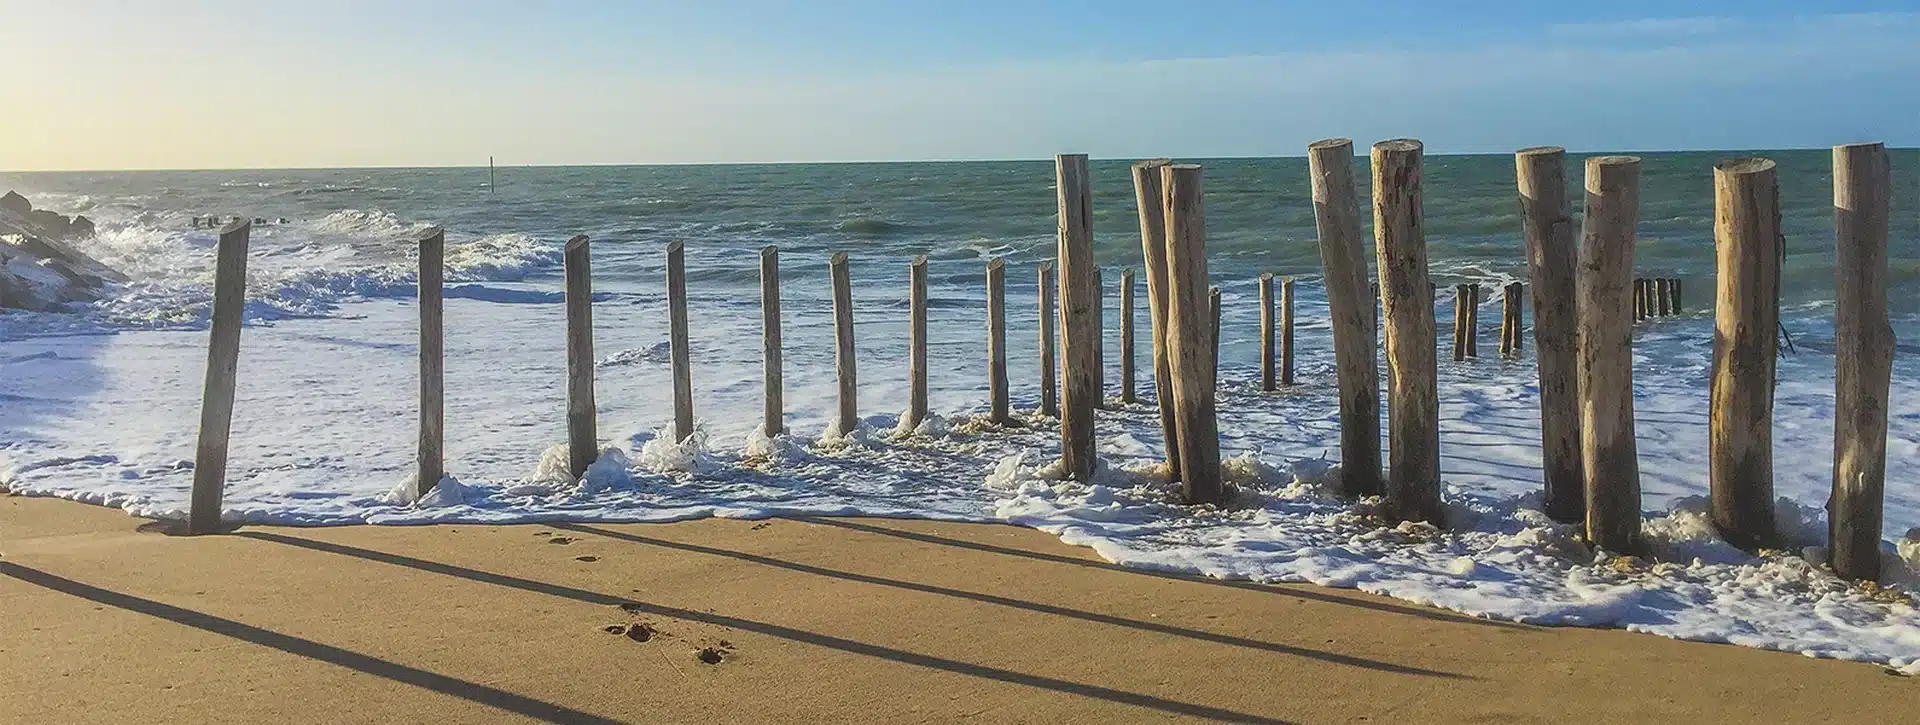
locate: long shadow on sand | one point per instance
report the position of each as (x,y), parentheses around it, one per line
(773,630)
(470,691)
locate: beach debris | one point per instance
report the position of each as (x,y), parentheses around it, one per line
(561,540)
(614,629)
(641,632)
(710,655)
(587,559)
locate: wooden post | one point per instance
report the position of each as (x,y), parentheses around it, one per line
(1608,451)
(1460,305)
(1099,337)
(223,361)
(430,458)
(775,421)
(1546,219)
(1000,410)
(1746,234)
(1514,303)
(917,341)
(1151,203)
(1190,331)
(1286,332)
(1663,305)
(1677,308)
(583,434)
(1269,380)
(1413,405)
(1127,394)
(1473,320)
(847,419)
(1079,315)
(1863,358)
(1213,306)
(1336,212)
(677,335)
(1049,386)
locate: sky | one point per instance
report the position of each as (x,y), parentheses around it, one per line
(133,84)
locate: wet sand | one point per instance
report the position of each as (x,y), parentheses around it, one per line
(109,619)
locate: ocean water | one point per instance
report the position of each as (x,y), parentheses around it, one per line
(100,404)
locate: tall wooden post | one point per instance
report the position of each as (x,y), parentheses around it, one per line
(1000,410)
(1127,385)
(1413,405)
(1863,358)
(1608,450)
(1269,379)
(917,341)
(1460,305)
(682,344)
(775,415)
(583,433)
(429,458)
(1190,332)
(1049,385)
(1079,315)
(1150,200)
(1746,234)
(223,363)
(1663,305)
(1546,219)
(1213,307)
(1286,332)
(848,418)
(1473,320)
(1336,215)
(1099,337)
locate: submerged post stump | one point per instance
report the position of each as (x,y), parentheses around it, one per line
(775,415)
(1336,213)
(1286,332)
(429,459)
(847,418)
(1413,405)
(1608,450)
(1269,380)
(1049,385)
(1546,219)
(1000,410)
(1746,321)
(682,344)
(583,434)
(1863,359)
(1079,316)
(1190,332)
(223,362)
(1127,375)
(917,341)
(1150,199)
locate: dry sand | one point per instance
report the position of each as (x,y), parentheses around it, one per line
(108,619)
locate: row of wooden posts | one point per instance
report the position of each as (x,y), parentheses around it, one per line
(1584,295)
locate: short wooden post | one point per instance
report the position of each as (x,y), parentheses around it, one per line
(223,362)
(1269,378)
(1188,330)
(1049,385)
(1513,305)
(1605,308)
(1460,305)
(1336,212)
(1546,219)
(1663,304)
(1473,320)
(1863,358)
(1079,315)
(1413,403)
(847,419)
(1286,332)
(1000,410)
(775,421)
(1746,322)
(1127,393)
(917,341)
(429,458)
(1213,306)
(681,343)
(583,430)
(1150,200)
(1677,307)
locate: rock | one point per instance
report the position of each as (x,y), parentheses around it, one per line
(51,224)
(16,203)
(81,228)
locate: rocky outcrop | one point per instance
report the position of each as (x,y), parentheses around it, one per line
(39,270)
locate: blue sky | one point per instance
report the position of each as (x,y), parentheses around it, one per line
(223,83)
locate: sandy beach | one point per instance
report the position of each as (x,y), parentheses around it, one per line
(110,619)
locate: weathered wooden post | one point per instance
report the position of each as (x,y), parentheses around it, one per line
(1460,305)
(223,361)
(1127,394)
(917,341)
(1049,385)
(430,458)
(848,418)
(775,415)
(1413,403)
(1150,199)
(1662,303)
(1473,320)
(1677,308)
(1863,358)
(1213,306)
(583,430)
(1608,450)
(1099,336)
(1079,315)
(1336,212)
(1000,410)
(1512,303)
(1546,219)
(1746,234)
(1188,330)
(1268,378)
(1286,332)
(682,353)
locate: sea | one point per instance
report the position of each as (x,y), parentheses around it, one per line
(99,403)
